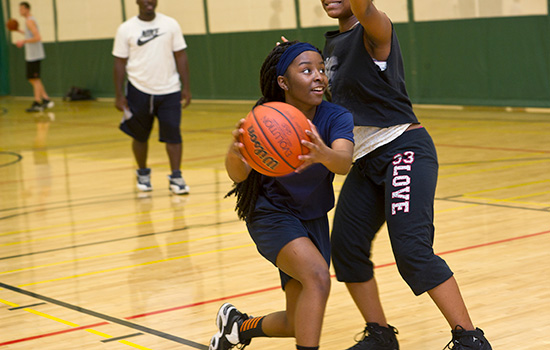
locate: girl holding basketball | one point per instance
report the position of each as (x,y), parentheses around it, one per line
(287,216)
(393,178)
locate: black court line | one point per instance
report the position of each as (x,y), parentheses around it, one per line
(65,206)
(494,161)
(485,119)
(507,206)
(108,318)
(17,156)
(95,200)
(120,338)
(118,239)
(25,306)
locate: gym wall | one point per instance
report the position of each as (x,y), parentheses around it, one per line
(463,52)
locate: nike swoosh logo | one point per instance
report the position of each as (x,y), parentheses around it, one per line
(143,42)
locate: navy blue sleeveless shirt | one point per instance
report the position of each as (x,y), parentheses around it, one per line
(374,97)
(309,195)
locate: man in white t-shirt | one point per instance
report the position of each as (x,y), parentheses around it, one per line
(150,50)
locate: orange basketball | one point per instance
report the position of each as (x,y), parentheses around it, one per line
(12,24)
(272,138)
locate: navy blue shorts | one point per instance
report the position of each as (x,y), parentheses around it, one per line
(144,108)
(395,184)
(272,230)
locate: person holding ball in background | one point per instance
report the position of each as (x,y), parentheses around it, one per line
(34,55)
(287,216)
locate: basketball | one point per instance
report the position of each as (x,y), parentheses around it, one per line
(12,24)
(272,138)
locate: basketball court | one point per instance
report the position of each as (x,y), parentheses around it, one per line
(88,262)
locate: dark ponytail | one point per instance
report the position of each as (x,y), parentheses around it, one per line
(247,192)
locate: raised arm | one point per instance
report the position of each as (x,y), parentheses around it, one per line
(378,28)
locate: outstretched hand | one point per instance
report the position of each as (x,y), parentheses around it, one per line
(283,39)
(235,164)
(318,151)
(236,146)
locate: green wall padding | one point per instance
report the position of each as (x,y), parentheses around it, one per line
(495,62)
(4,58)
(500,61)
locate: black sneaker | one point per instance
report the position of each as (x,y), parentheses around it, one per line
(47,103)
(35,107)
(228,320)
(376,337)
(468,340)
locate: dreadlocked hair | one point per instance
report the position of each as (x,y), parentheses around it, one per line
(247,191)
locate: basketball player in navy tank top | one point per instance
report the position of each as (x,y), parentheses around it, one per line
(287,216)
(393,178)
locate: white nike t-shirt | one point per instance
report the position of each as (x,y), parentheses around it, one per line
(149,47)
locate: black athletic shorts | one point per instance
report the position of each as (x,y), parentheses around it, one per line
(394,184)
(272,230)
(33,69)
(143,109)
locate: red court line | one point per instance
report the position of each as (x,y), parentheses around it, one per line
(54,333)
(495,242)
(259,291)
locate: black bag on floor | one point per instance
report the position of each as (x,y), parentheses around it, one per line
(78,94)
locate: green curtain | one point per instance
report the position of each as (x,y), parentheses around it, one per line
(4,59)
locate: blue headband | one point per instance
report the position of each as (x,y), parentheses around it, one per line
(290,54)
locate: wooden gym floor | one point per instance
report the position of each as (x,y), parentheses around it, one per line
(87,262)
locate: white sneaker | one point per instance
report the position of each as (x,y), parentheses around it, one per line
(47,104)
(144,181)
(177,185)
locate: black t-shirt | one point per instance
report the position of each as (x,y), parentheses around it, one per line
(374,97)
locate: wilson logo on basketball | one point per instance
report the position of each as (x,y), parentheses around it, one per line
(260,151)
(272,138)
(280,134)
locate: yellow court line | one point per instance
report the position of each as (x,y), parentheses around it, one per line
(101,334)
(57,319)
(126,342)
(510,200)
(169,244)
(102,229)
(457,208)
(133,266)
(509,187)
(526,196)
(494,169)
(74,325)
(9,303)
(95,220)
(133,345)
(492,160)
(120,252)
